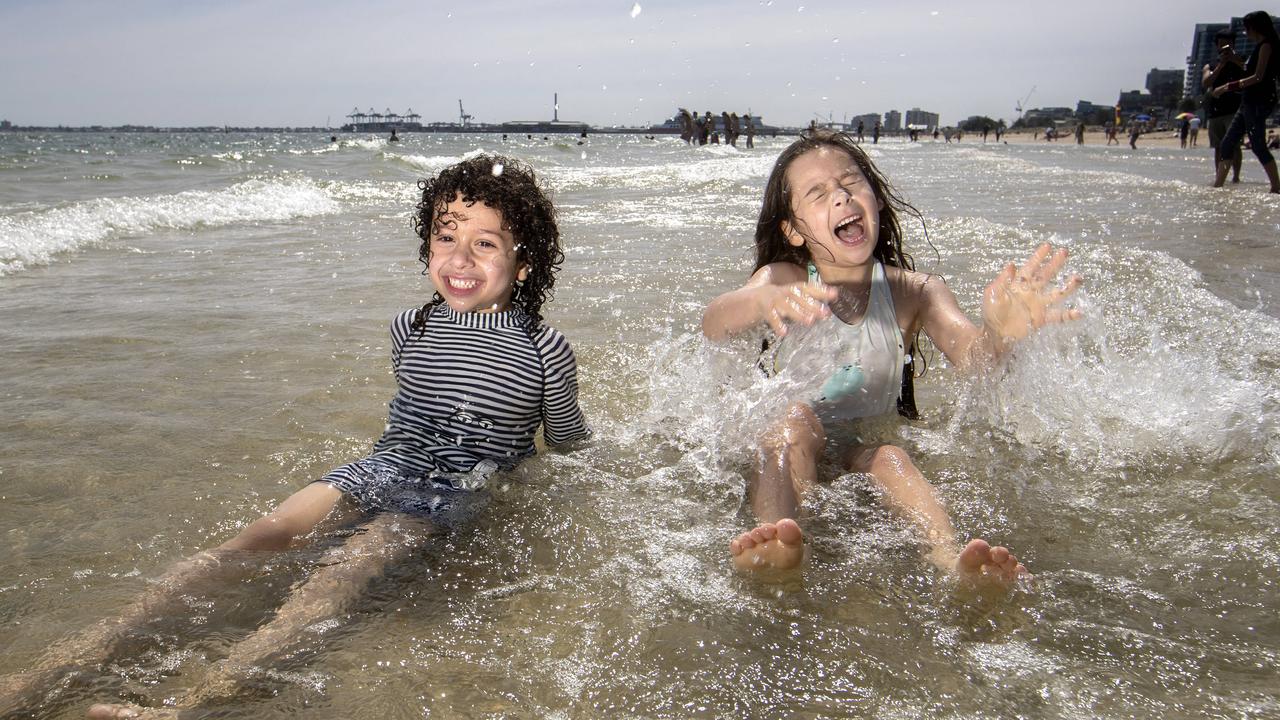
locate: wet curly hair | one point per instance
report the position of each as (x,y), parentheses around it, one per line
(510,187)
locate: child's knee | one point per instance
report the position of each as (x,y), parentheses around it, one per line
(893,458)
(272,532)
(801,429)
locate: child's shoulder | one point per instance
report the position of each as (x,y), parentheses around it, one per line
(780,273)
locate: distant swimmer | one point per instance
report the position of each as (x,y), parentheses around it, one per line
(394,137)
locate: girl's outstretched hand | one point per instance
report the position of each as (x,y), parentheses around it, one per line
(801,302)
(1020,300)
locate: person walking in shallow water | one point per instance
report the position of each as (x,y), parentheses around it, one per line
(1257,101)
(1221,109)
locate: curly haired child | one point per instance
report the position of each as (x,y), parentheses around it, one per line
(477,374)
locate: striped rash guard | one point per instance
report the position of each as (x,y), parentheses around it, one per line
(472,387)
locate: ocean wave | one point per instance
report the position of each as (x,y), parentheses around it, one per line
(33,238)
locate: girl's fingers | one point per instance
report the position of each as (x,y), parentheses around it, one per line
(1068,288)
(775,322)
(1030,269)
(819,292)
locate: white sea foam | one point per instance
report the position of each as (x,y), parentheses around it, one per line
(34,238)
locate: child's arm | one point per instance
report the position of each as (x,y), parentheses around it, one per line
(776,294)
(1015,304)
(562,419)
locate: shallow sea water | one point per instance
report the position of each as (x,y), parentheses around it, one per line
(194,326)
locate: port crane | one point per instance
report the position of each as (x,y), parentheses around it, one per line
(463,117)
(1024,100)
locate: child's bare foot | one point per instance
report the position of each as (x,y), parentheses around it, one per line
(771,546)
(981,564)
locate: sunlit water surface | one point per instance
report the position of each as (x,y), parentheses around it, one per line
(194,326)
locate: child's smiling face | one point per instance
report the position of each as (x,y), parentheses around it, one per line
(833,208)
(474,263)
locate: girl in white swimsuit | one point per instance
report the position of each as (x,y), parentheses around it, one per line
(829,260)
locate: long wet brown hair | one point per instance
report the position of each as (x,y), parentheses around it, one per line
(771,243)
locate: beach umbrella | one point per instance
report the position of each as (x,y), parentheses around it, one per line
(1184,116)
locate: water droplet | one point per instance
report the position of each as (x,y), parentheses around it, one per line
(604,87)
(497,169)
(635,10)
(835,41)
(934,13)
(800,9)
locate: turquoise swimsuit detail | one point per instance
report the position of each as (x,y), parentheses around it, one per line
(869,355)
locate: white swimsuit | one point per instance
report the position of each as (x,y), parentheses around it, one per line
(868,355)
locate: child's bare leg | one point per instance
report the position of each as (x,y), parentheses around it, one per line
(788,467)
(295,517)
(343,574)
(910,495)
(94,644)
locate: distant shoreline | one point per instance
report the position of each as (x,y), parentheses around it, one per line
(1021,136)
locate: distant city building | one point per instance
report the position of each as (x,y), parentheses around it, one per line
(5,125)
(868,120)
(1040,117)
(892,121)
(1165,86)
(1134,101)
(919,119)
(1090,112)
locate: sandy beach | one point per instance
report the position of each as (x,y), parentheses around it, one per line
(1094,136)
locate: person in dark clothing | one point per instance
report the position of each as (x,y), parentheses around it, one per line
(1257,100)
(1220,110)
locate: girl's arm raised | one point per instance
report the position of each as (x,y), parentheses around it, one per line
(1015,304)
(775,295)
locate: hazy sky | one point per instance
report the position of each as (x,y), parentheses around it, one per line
(288,62)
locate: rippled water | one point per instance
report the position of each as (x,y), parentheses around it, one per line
(194,326)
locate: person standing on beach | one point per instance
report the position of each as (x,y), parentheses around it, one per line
(1184,131)
(1257,101)
(1220,110)
(1080,134)
(751,130)
(875,133)
(860,126)
(686,126)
